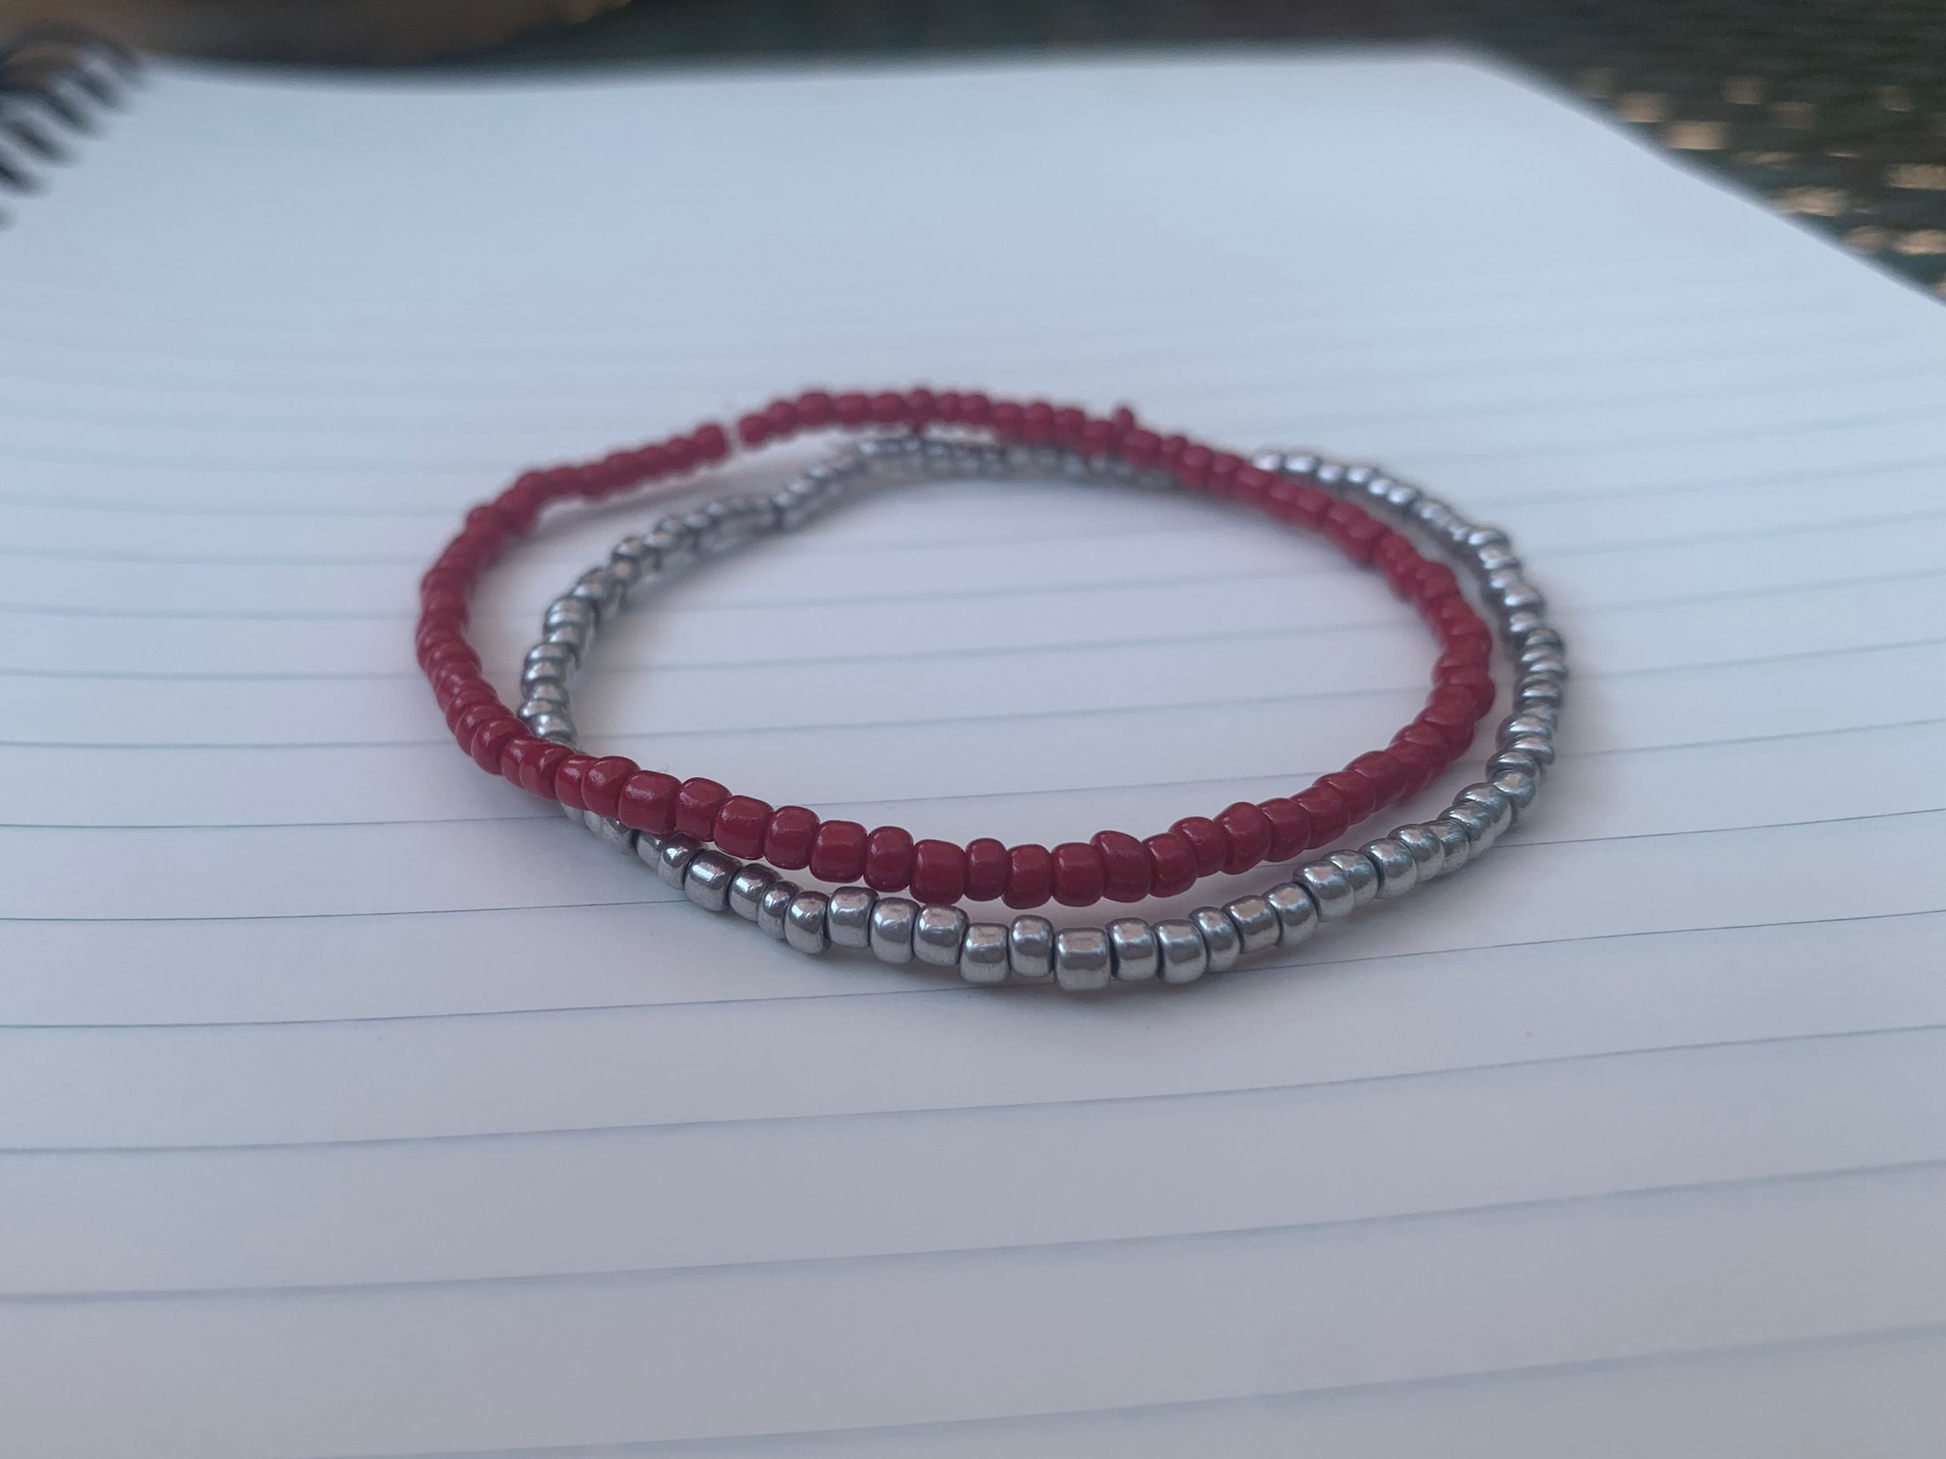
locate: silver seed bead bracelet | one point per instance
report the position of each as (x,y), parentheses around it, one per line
(1030,948)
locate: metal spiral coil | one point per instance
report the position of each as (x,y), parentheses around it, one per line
(56,81)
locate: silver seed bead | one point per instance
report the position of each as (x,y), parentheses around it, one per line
(1479,537)
(1519,786)
(1475,822)
(1490,798)
(937,934)
(983,953)
(1132,952)
(648,849)
(1534,722)
(611,832)
(568,609)
(631,549)
(548,653)
(1330,888)
(773,910)
(1398,869)
(1184,954)
(1081,959)
(804,927)
(532,709)
(1221,939)
(706,880)
(747,889)
(551,692)
(1360,872)
(544,676)
(673,859)
(1518,760)
(850,916)
(1030,947)
(893,919)
(1297,913)
(1523,622)
(1532,693)
(1540,747)
(572,636)
(1423,845)
(1495,559)
(1454,842)
(1256,922)
(552,726)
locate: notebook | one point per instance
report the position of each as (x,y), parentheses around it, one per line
(353,1104)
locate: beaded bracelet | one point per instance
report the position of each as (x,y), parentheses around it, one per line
(1111,864)
(936,932)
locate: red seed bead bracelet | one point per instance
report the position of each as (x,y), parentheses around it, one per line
(1112,864)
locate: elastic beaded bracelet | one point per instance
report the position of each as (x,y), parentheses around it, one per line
(1111,864)
(1210,939)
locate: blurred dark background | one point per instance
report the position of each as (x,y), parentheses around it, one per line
(1833,112)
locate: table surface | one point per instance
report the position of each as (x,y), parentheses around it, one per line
(1835,112)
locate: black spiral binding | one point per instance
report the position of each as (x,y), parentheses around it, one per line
(55,82)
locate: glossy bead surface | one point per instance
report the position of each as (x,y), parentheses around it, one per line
(1455,842)
(1360,872)
(804,927)
(892,923)
(774,907)
(1030,947)
(1329,887)
(983,954)
(1222,942)
(747,890)
(1297,912)
(1256,923)
(1081,959)
(1132,952)
(1398,868)
(1181,951)
(1518,785)
(672,860)
(849,916)
(706,880)
(936,935)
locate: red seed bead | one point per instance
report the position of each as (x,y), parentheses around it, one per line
(1139,447)
(1078,874)
(788,838)
(1249,830)
(853,409)
(1037,422)
(648,802)
(1420,764)
(1007,417)
(1168,452)
(567,780)
(490,739)
(1223,468)
(1192,467)
(696,806)
(1290,827)
(838,852)
(712,443)
(921,406)
(938,872)
(531,763)
(1030,877)
(753,430)
(680,452)
(781,417)
(815,408)
(473,712)
(888,408)
(1361,796)
(740,824)
(986,869)
(601,787)
(1174,863)
(1389,778)
(888,859)
(1327,810)
(976,409)
(1127,871)
(1251,485)
(1207,840)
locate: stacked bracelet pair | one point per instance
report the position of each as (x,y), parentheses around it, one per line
(671,824)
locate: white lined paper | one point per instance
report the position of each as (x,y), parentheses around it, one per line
(350,1103)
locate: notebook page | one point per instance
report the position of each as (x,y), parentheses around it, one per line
(353,1104)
